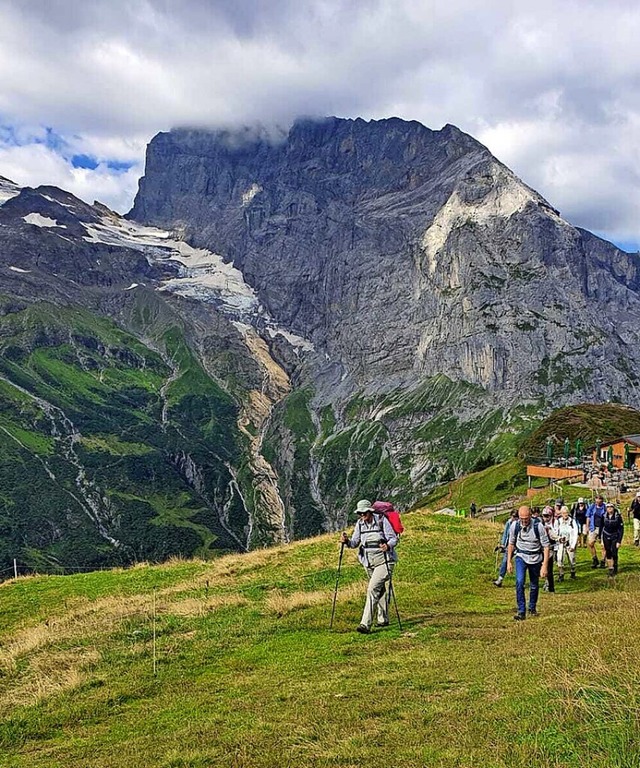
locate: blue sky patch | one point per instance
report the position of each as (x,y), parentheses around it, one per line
(84,161)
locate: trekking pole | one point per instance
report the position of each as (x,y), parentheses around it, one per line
(392,591)
(335,591)
(499,554)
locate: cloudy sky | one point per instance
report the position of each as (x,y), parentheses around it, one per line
(551,87)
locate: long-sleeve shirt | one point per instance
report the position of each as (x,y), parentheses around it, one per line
(368,537)
(505,534)
(567,530)
(612,526)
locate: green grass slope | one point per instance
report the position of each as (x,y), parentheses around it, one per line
(249,675)
(105,439)
(587,421)
(489,486)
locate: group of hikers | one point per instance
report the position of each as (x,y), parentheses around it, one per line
(532,541)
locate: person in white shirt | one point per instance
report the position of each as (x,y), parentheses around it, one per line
(565,532)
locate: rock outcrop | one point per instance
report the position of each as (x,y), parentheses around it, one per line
(404,253)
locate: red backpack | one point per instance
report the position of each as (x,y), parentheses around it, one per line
(393,516)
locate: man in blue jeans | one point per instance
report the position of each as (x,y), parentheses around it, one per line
(529,541)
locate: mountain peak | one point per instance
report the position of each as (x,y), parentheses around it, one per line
(8,189)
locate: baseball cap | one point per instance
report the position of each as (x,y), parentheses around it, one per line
(581,500)
(559,502)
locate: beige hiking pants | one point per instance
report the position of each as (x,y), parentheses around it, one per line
(378,595)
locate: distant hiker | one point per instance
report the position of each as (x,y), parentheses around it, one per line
(529,542)
(547,521)
(595,513)
(472,509)
(634,511)
(565,530)
(376,541)
(580,516)
(611,532)
(502,547)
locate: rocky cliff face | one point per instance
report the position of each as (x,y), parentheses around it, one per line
(403,253)
(447,302)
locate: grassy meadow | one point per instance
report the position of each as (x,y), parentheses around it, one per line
(247,673)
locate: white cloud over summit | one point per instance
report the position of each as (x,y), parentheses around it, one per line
(552,88)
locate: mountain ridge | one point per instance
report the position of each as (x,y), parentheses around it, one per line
(359,309)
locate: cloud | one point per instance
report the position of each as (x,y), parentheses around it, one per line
(553,91)
(34,164)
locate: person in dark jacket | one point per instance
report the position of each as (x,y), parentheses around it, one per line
(611,531)
(579,513)
(547,521)
(634,511)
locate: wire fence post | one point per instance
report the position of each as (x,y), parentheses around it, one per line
(155,661)
(15,568)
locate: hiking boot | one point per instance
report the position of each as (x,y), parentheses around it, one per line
(603,563)
(382,624)
(519,617)
(573,574)
(594,562)
(362,629)
(637,543)
(561,577)
(497,583)
(611,573)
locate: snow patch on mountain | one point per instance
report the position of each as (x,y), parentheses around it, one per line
(39,220)
(202,274)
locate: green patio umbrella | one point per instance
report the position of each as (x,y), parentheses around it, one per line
(579,449)
(610,457)
(626,455)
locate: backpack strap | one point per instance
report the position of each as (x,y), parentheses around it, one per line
(536,529)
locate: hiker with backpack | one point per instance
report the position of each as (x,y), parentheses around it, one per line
(611,532)
(579,513)
(547,522)
(375,539)
(565,530)
(502,547)
(595,513)
(529,543)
